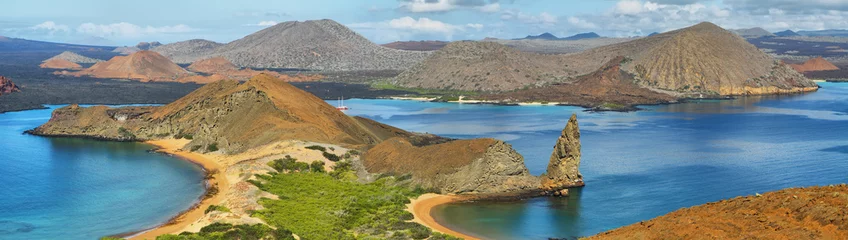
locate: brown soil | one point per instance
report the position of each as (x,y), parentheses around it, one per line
(608,85)
(798,213)
(213,65)
(141,65)
(7,86)
(417,45)
(56,63)
(398,155)
(815,65)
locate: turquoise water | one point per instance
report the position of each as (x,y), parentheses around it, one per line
(59,188)
(641,165)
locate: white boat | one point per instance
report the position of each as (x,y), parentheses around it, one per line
(341,105)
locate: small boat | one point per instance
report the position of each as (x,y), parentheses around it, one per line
(341,105)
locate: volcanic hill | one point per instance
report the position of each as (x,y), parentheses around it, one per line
(141,65)
(797,213)
(756,32)
(189,51)
(417,45)
(703,59)
(315,45)
(814,65)
(7,86)
(75,58)
(483,66)
(59,63)
(609,88)
(221,68)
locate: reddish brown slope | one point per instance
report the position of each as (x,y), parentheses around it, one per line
(213,65)
(57,63)
(799,213)
(814,65)
(141,65)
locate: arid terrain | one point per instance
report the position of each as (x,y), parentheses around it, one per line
(797,213)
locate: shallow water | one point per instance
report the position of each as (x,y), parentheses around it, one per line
(61,188)
(641,165)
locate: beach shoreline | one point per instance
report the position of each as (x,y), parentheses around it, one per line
(215,178)
(422,207)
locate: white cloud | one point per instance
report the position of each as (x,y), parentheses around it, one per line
(543,18)
(490,8)
(629,7)
(128,30)
(475,26)
(263,24)
(52,27)
(418,6)
(406,27)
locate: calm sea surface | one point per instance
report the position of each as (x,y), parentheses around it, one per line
(641,165)
(59,188)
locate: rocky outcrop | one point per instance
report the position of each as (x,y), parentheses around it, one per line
(477,166)
(7,86)
(480,167)
(813,65)
(563,169)
(58,63)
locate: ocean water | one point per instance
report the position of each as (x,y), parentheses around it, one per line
(60,188)
(640,165)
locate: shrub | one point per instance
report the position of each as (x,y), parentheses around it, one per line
(317,167)
(212,147)
(184,135)
(317,148)
(125,133)
(331,157)
(216,208)
(288,164)
(442,236)
(419,232)
(195,148)
(229,231)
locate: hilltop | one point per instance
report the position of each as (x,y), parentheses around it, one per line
(814,65)
(316,45)
(787,33)
(797,213)
(141,65)
(417,45)
(74,58)
(483,66)
(58,63)
(703,59)
(186,52)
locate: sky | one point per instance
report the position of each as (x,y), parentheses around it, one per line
(122,23)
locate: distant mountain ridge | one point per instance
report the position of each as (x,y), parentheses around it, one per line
(756,32)
(8,44)
(549,36)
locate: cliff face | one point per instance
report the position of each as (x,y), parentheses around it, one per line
(563,169)
(478,166)
(7,86)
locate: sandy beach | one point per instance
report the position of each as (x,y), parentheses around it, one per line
(421,207)
(178,223)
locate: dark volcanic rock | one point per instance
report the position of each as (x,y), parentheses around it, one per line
(563,169)
(7,86)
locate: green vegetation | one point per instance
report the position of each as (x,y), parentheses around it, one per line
(212,147)
(213,208)
(332,157)
(317,148)
(441,236)
(184,135)
(223,231)
(195,148)
(613,106)
(126,133)
(317,205)
(288,164)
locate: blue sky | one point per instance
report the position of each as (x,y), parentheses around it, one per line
(126,23)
